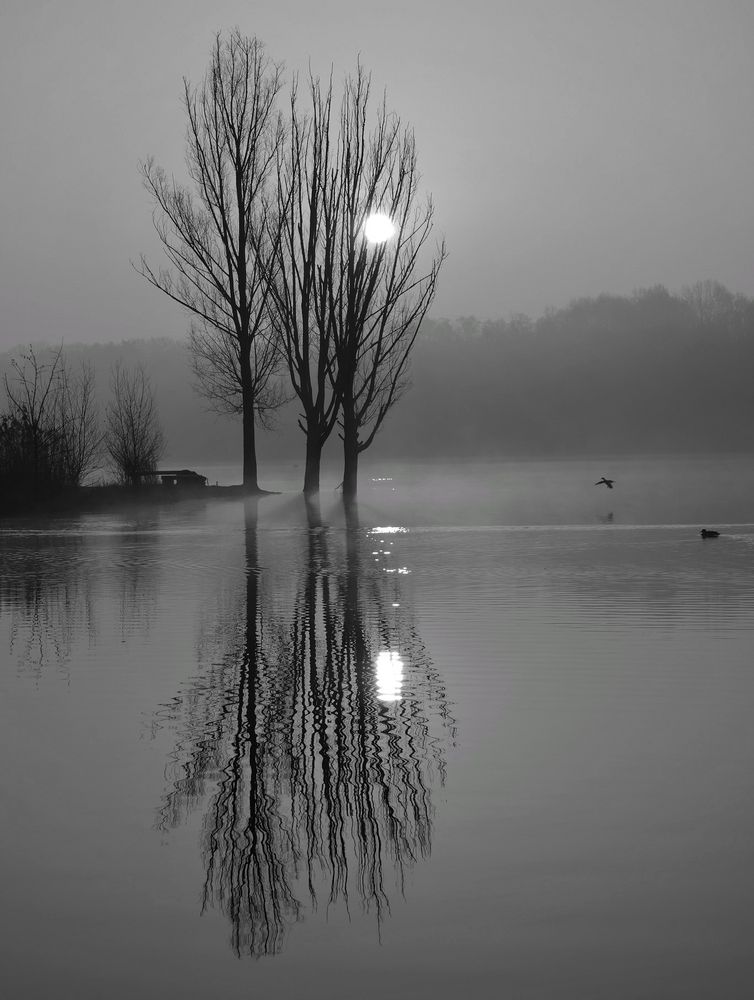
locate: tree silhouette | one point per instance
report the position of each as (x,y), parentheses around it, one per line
(215,238)
(133,437)
(348,310)
(49,434)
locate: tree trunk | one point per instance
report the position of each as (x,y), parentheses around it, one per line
(250,481)
(350,456)
(313,460)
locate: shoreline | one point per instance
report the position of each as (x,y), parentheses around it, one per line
(90,499)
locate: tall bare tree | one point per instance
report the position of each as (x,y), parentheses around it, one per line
(381,291)
(299,284)
(133,436)
(214,237)
(350,309)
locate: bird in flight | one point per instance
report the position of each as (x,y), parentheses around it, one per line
(607,482)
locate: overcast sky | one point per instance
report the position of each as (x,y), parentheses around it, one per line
(571,146)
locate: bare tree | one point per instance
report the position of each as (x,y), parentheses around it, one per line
(714,306)
(380,292)
(215,239)
(350,309)
(133,437)
(78,422)
(216,363)
(299,286)
(32,391)
(53,418)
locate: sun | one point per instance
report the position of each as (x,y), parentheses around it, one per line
(379,227)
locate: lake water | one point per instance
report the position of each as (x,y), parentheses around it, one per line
(487,734)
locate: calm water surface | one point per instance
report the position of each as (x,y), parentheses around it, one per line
(488,734)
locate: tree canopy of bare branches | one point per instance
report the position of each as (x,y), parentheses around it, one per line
(215,237)
(49,433)
(32,392)
(349,310)
(299,294)
(77,418)
(133,437)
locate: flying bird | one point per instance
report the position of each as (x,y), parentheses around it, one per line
(607,482)
(709,533)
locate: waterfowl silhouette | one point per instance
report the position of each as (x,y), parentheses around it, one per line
(709,533)
(607,482)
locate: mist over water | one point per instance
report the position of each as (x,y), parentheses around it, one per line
(489,727)
(649,490)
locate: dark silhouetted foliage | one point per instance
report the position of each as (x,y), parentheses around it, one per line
(49,435)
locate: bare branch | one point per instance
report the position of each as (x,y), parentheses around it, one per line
(217,239)
(133,436)
(350,310)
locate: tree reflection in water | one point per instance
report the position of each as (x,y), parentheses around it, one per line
(55,587)
(46,588)
(321,784)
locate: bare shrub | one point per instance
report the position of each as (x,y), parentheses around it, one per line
(133,437)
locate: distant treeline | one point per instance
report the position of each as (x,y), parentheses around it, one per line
(649,372)
(654,371)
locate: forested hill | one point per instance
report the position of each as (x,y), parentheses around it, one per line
(650,372)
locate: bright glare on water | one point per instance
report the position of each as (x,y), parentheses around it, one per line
(488,734)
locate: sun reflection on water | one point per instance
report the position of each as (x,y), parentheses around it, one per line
(388,669)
